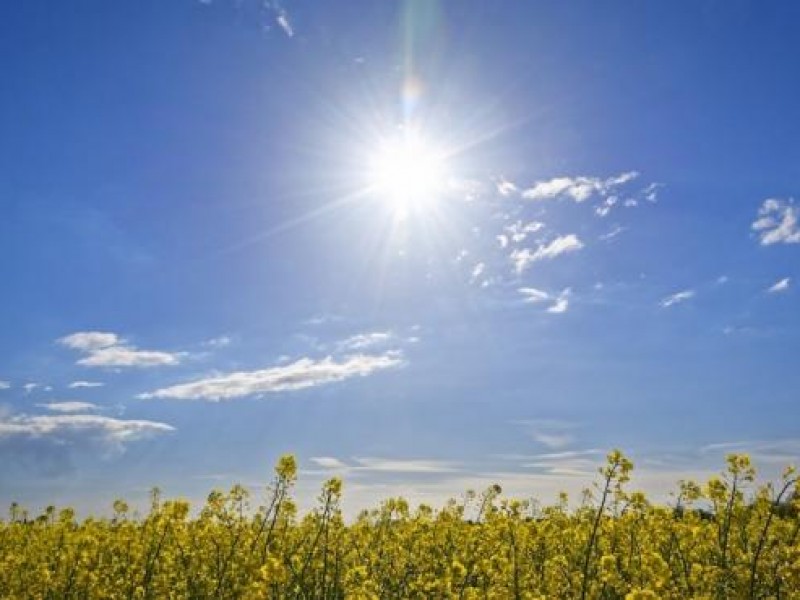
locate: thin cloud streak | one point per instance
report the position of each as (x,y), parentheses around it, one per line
(70,406)
(677,298)
(301,374)
(85,384)
(385,465)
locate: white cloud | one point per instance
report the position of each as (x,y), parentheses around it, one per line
(124,356)
(88,341)
(781,452)
(5,385)
(606,206)
(69,406)
(779,286)
(477,271)
(386,465)
(561,304)
(577,188)
(218,342)
(677,298)
(561,245)
(532,295)
(68,427)
(362,341)
(545,474)
(303,373)
(105,349)
(502,240)
(536,296)
(650,193)
(506,188)
(328,462)
(46,444)
(777,222)
(521,259)
(553,440)
(31,386)
(578,463)
(283,21)
(519,231)
(85,384)
(612,234)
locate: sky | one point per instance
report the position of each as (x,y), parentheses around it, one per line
(427,246)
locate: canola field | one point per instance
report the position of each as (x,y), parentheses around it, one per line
(725,538)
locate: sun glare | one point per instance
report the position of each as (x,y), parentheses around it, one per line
(407,172)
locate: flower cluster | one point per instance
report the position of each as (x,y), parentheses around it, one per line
(725,539)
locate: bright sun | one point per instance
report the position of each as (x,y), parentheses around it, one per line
(407,172)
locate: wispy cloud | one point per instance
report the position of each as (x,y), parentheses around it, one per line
(583,463)
(32,386)
(779,286)
(385,465)
(477,271)
(388,465)
(677,298)
(218,342)
(281,17)
(612,234)
(85,384)
(518,231)
(283,21)
(561,304)
(554,434)
(505,187)
(328,462)
(66,428)
(364,341)
(539,474)
(650,193)
(777,222)
(781,452)
(576,188)
(564,244)
(71,406)
(105,349)
(606,206)
(301,374)
(5,385)
(533,295)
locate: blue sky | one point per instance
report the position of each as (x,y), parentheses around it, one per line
(203,271)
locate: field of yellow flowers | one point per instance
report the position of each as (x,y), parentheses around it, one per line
(725,539)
